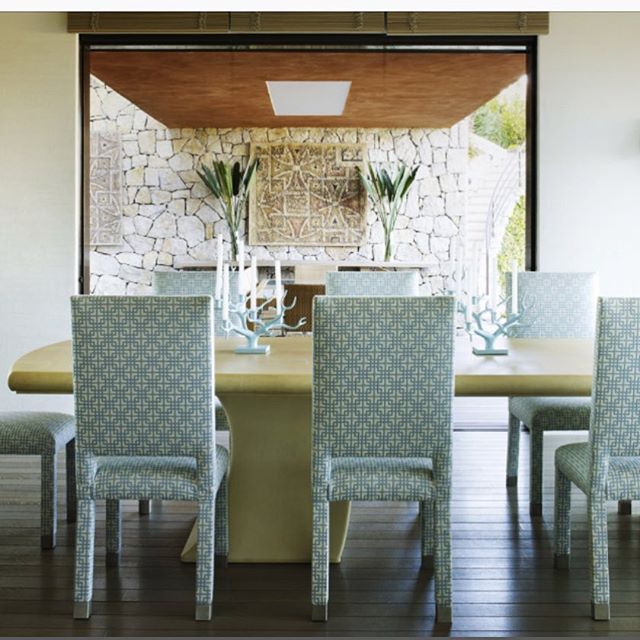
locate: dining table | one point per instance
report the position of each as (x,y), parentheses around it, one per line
(267,398)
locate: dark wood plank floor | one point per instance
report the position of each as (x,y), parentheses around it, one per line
(504,582)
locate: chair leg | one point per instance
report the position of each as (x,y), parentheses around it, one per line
(320,561)
(48,500)
(114,533)
(442,572)
(71,481)
(513,451)
(85,541)
(535,471)
(624,507)
(599,547)
(427,533)
(144,507)
(222,521)
(562,526)
(205,559)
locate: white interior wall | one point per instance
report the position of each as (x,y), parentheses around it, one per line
(38,190)
(589,148)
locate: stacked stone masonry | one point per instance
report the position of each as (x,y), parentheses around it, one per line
(168,213)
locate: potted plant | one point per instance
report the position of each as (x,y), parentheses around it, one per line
(230,185)
(388,194)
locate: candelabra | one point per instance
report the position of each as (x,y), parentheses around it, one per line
(490,323)
(241,316)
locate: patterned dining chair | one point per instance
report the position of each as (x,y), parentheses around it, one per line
(607,467)
(143,381)
(44,434)
(553,305)
(382,403)
(372,283)
(194,283)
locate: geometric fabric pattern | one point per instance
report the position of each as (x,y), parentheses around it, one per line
(381,479)
(308,194)
(143,388)
(608,466)
(382,400)
(105,188)
(44,434)
(194,283)
(372,283)
(556,305)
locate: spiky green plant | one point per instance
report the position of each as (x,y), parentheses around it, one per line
(230,185)
(388,195)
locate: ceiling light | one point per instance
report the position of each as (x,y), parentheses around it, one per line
(308,97)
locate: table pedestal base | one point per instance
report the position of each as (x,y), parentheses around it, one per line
(270,481)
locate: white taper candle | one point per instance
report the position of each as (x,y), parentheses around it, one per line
(218,293)
(278,288)
(514,286)
(241,281)
(225,292)
(254,282)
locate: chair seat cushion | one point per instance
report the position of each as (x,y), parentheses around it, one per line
(150,477)
(381,479)
(551,413)
(623,477)
(34,433)
(222,422)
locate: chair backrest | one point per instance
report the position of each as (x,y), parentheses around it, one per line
(143,376)
(615,415)
(383,377)
(184,283)
(372,283)
(191,283)
(555,305)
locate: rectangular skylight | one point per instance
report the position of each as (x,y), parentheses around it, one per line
(308,97)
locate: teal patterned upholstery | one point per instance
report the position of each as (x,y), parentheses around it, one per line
(554,305)
(44,434)
(372,283)
(143,381)
(194,283)
(382,400)
(608,466)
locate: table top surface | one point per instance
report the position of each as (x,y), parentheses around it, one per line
(559,367)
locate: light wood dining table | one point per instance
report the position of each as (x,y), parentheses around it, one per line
(268,401)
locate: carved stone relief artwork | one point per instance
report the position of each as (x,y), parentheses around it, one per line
(308,194)
(105,188)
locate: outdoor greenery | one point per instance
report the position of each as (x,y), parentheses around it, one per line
(502,121)
(513,242)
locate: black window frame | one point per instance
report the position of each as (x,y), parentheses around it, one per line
(527,45)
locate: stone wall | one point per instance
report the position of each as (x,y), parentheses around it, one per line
(168,213)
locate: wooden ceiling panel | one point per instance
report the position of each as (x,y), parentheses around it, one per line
(227,89)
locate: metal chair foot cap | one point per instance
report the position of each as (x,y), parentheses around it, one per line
(443,614)
(319,612)
(624,507)
(203,611)
(427,562)
(112,559)
(512,481)
(82,610)
(561,560)
(144,507)
(535,509)
(48,542)
(600,611)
